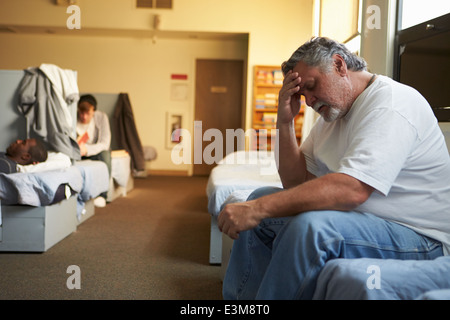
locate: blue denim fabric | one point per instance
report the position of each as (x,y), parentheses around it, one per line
(282,258)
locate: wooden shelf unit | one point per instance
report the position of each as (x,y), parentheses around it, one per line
(267,82)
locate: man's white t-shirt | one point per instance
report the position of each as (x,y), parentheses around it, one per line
(99,133)
(391,141)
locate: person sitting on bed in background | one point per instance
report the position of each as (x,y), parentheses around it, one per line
(94,136)
(23,152)
(372,179)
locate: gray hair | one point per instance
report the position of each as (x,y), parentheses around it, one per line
(319,51)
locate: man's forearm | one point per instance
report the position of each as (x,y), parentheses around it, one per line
(291,163)
(335,191)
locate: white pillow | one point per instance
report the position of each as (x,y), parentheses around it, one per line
(55,160)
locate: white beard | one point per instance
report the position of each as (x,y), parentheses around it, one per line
(333,112)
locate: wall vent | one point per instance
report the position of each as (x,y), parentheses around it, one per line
(157,4)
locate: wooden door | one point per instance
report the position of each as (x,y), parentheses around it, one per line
(218,103)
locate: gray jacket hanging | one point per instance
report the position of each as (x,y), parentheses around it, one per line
(45,118)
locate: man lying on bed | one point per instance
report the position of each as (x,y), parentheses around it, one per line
(371,180)
(23,152)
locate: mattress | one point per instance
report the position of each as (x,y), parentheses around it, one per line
(37,188)
(87,178)
(237,175)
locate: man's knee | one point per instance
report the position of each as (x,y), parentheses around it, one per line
(316,224)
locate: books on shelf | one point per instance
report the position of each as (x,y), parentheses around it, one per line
(277,77)
(270,118)
(267,100)
(269,77)
(268,80)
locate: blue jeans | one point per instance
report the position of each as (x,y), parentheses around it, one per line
(282,257)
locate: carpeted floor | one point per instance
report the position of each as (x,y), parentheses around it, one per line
(151,244)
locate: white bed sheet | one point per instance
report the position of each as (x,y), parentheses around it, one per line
(95,181)
(237,175)
(37,188)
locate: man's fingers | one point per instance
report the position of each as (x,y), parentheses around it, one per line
(226,227)
(291,86)
(234,235)
(292,78)
(229,232)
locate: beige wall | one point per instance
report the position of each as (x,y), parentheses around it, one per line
(135,64)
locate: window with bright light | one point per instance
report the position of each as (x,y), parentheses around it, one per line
(414,12)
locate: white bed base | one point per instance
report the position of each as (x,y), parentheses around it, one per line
(36,229)
(215,243)
(115,190)
(88,212)
(232,180)
(121,181)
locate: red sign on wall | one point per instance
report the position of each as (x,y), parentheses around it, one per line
(175,76)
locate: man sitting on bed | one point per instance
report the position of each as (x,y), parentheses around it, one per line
(23,152)
(94,136)
(372,180)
